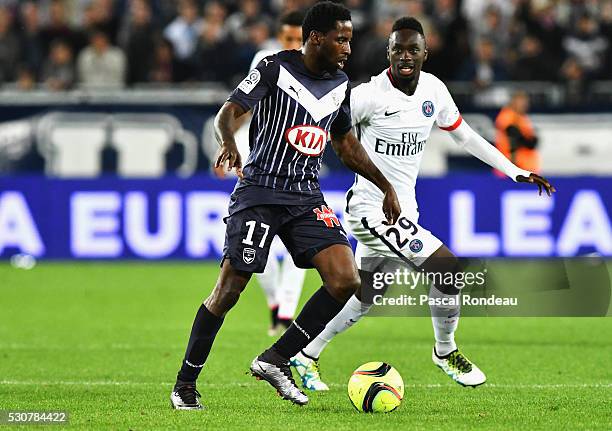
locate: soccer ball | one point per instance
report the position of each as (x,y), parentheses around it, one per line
(376,387)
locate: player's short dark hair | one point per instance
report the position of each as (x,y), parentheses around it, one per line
(322,17)
(408,23)
(294,19)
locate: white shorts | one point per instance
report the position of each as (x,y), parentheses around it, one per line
(406,239)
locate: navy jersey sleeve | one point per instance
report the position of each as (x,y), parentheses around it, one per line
(257,84)
(342,124)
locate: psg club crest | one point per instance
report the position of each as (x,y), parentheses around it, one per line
(248,255)
(428,108)
(415,245)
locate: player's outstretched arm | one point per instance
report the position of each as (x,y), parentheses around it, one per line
(465,136)
(226,124)
(353,155)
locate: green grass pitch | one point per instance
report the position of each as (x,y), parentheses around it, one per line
(103,342)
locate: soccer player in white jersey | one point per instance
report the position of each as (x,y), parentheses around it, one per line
(281,282)
(394,113)
(288,36)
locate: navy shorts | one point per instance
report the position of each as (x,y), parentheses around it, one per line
(304,229)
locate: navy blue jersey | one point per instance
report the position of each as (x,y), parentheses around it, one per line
(294,112)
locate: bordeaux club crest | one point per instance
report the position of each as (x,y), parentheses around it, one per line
(248,255)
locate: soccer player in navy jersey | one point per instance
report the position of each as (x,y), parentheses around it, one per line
(300,100)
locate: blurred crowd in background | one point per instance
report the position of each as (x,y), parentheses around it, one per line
(65,44)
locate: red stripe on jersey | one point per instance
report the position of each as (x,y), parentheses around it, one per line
(391,77)
(454,126)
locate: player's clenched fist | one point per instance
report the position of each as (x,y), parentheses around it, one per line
(391,206)
(229,152)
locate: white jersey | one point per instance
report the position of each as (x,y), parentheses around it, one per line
(393,128)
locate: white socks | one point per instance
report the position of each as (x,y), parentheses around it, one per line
(269,279)
(445,320)
(349,315)
(282,285)
(289,288)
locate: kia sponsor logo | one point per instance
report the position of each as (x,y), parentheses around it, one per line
(308,140)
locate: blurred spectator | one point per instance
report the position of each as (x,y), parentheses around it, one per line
(76,11)
(138,38)
(360,13)
(606,31)
(212,60)
(493,26)
(249,13)
(281,7)
(58,28)
(452,29)
(100,15)
(288,36)
(416,9)
(9,3)
(474,10)
(516,138)
(184,30)
(100,64)
(516,34)
(437,62)
(518,39)
(26,80)
(9,47)
(569,12)
(575,83)
(371,56)
(489,19)
(164,11)
(606,17)
(258,35)
(533,63)
(58,73)
(184,33)
(215,15)
(288,32)
(399,8)
(214,63)
(162,70)
(31,43)
(540,20)
(484,68)
(587,45)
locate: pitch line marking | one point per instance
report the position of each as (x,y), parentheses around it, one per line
(337,385)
